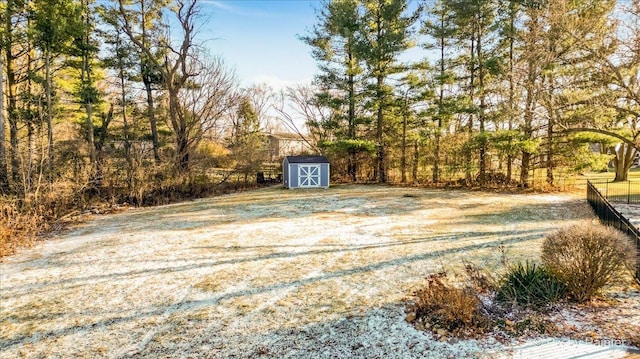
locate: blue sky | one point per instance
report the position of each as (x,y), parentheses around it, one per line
(259,38)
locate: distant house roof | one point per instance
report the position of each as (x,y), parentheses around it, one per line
(307,159)
(287,136)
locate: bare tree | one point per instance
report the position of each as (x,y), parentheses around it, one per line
(297,108)
(262,98)
(176,68)
(212,93)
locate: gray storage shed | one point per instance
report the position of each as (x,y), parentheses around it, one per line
(305,172)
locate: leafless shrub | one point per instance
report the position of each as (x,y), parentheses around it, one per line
(586,257)
(18,228)
(448,309)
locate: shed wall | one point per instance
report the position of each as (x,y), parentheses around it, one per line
(291,172)
(326,171)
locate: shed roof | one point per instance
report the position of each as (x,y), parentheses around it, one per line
(307,159)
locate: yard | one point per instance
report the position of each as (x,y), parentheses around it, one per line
(273,272)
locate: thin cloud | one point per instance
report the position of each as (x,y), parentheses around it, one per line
(277,83)
(236,10)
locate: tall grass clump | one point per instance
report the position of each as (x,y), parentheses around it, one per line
(586,257)
(529,285)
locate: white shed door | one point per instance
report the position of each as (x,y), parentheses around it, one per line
(309,175)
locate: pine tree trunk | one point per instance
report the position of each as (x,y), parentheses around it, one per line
(382,175)
(527,127)
(467,155)
(125,127)
(352,169)
(481,116)
(12,112)
(85,79)
(403,158)
(436,151)
(49,115)
(512,20)
(416,160)
(436,155)
(90,134)
(31,154)
(550,154)
(551,110)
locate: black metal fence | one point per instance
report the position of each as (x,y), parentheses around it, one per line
(611,217)
(619,192)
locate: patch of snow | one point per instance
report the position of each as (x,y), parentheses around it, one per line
(272,273)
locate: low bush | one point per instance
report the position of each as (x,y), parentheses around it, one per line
(23,218)
(17,228)
(445,307)
(586,257)
(529,285)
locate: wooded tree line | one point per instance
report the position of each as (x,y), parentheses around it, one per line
(503,88)
(120,93)
(117,94)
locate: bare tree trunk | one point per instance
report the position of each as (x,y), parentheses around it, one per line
(151,113)
(103,135)
(4,171)
(180,128)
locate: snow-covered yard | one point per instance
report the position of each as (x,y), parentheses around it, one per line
(273,273)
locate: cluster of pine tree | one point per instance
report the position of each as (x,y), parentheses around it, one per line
(503,88)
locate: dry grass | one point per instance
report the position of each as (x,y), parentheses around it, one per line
(17,229)
(446,308)
(24,220)
(320,273)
